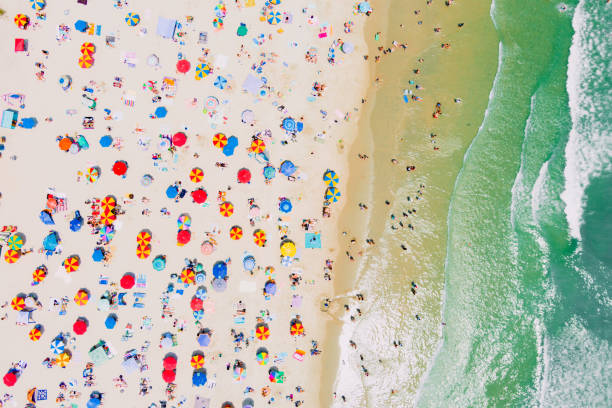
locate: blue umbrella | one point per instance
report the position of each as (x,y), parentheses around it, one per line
(198,314)
(285,205)
(248,262)
(171,192)
(287,168)
(98,255)
(106,141)
(220,270)
(81,26)
(93,403)
(161,112)
(269,172)
(220,82)
(51,241)
(201,293)
(77,222)
(289,124)
(159,263)
(110,322)
(57,346)
(270,287)
(38,4)
(199,378)
(204,339)
(274,18)
(28,123)
(46,218)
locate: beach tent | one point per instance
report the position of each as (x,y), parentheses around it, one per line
(9,119)
(166,27)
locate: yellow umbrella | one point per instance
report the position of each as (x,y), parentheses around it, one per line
(63,359)
(86,61)
(81,298)
(288,248)
(143,251)
(11,256)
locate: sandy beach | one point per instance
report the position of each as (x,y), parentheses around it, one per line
(116,132)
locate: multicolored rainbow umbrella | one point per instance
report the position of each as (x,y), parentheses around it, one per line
(183,222)
(92,174)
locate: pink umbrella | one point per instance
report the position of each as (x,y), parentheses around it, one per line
(207,248)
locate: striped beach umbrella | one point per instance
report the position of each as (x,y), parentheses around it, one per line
(81,298)
(92,174)
(108,203)
(183,222)
(143,238)
(275,2)
(188,276)
(35,334)
(258,146)
(274,17)
(236,233)
(262,358)
(202,71)
(38,4)
(297,329)
(220,82)
(198,314)
(219,140)
(15,242)
(107,233)
(39,274)
(143,251)
(18,303)
(132,19)
(86,61)
(11,256)
(63,359)
(332,194)
(197,361)
(57,346)
(21,20)
(108,218)
(201,292)
(196,175)
(226,209)
(72,263)
(331,178)
(88,48)
(259,237)
(262,332)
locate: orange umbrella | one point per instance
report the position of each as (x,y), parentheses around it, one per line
(65,143)
(262,332)
(63,359)
(11,256)
(196,175)
(143,251)
(143,238)
(188,276)
(22,20)
(219,140)
(108,217)
(35,334)
(71,264)
(39,275)
(86,61)
(258,146)
(197,361)
(88,49)
(259,238)
(108,203)
(18,303)
(226,209)
(297,329)
(236,233)
(81,298)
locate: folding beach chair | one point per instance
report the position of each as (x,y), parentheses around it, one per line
(141,281)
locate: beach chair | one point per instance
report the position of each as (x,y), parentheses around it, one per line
(141,281)
(138,300)
(121,299)
(103,280)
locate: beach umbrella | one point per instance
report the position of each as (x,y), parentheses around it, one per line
(152,60)
(39,274)
(184,222)
(211,103)
(10,378)
(107,233)
(207,248)
(199,196)
(332,194)
(197,361)
(287,248)
(226,209)
(198,379)
(217,22)
(86,61)
(220,270)
(108,203)
(46,218)
(57,346)
(274,17)
(79,327)
(247,116)
(143,251)
(259,238)
(289,125)
(285,205)
(132,19)
(81,298)
(196,175)
(188,276)
(270,287)
(258,146)
(204,339)
(183,66)
(63,359)
(330,178)
(287,168)
(98,255)
(183,237)
(262,357)
(106,141)
(108,218)
(161,112)
(35,334)
(92,174)
(262,332)
(88,48)
(169,363)
(51,241)
(248,262)
(239,372)
(21,20)
(297,329)
(127,281)
(219,285)
(242,30)
(15,242)
(201,293)
(198,314)
(38,4)
(65,143)
(219,140)
(235,233)
(146,180)
(159,263)
(110,322)
(103,304)
(244,175)
(179,139)
(144,237)
(65,81)
(275,2)
(220,82)
(72,263)
(269,172)
(77,222)
(196,304)
(202,71)
(18,303)
(120,167)
(171,192)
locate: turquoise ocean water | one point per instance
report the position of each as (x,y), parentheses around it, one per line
(529,261)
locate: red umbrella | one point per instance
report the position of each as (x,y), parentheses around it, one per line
(244,176)
(183,66)
(179,139)
(120,168)
(170,363)
(183,236)
(199,196)
(79,327)
(168,375)
(10,379)
(197,304)
(127,281)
